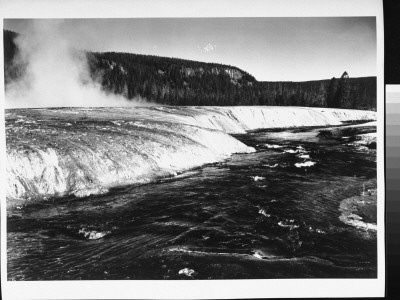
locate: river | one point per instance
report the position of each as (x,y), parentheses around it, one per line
(274,213)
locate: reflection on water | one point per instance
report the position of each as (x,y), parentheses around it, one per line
(270,214)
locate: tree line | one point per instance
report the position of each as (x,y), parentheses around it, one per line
(174,81)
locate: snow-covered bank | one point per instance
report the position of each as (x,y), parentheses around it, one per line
(82,151)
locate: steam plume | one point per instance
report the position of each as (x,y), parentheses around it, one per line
(56,74)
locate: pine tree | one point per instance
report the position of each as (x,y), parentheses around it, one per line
(332,88)
(342,96)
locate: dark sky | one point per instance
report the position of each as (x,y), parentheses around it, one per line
(273,49)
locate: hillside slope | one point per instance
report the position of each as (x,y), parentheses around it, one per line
(174,81)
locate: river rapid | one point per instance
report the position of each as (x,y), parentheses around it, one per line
(283,211)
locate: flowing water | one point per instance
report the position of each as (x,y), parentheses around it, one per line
(274,213)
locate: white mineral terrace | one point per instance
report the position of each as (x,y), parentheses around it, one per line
(83,151)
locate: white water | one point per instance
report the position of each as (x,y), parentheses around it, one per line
(55,152)
(356,221)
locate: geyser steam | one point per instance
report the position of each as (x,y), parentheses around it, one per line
(56,74)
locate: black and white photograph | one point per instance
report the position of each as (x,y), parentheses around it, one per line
(191,148)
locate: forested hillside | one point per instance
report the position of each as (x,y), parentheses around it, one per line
(176,81)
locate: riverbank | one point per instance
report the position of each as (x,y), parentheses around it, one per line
(83,151)
(360,211)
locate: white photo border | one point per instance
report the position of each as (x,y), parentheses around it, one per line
(199,289)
